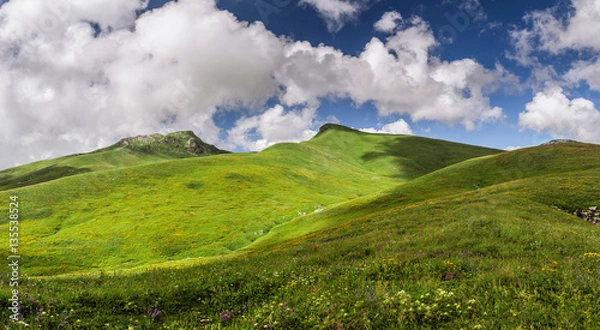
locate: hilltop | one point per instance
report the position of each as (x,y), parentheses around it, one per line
(403,157)
(174,145)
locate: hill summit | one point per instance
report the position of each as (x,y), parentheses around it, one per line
(330,126)
(183,144)
(560,141)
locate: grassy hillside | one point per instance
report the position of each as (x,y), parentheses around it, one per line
(403,157)
(482,244)
(128,216)
(127,152)
(558,177)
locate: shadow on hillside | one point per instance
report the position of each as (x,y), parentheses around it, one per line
(45,174)
(412,156)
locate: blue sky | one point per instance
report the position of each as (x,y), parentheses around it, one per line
(247,74)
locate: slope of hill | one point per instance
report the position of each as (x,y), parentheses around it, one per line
(558,177)
(481,244)
(208,206)
(127,152)
(403,157)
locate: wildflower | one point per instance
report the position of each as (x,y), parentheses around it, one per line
(591,255)
(155,314)
(224,316)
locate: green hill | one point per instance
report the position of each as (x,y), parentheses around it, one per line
(185,208)
(127,152)
(403,157)
(401,239)
(558,178)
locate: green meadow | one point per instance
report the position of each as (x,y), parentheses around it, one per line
(349,230)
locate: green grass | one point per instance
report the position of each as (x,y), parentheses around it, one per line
(481,244)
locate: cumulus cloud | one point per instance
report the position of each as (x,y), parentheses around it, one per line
(551,32)
(398,76)
(548,31)
(588,71)
(553,112)
(576,31)
(21,19)
(273,126)
(388,22)
(336,13)
(65,87)
(397,127)
(554,32)
(93,72)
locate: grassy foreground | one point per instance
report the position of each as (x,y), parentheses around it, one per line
(482,244)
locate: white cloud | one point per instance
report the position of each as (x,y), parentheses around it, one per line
(398,76)
(180,63)
(551,111)
(68,88)
(388,22)
(577,31)
(550,32)
(48,19)
(522,41)
(554,31)
(588,71)
(273,126)
(397,127)
(336,13)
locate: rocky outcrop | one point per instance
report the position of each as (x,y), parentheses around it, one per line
(560,141)
(330,126)
(140,140)
(178,144)
(591,214)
